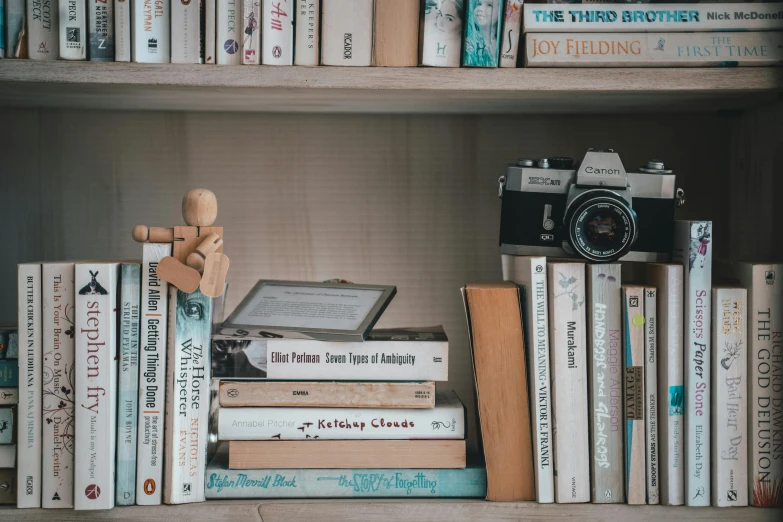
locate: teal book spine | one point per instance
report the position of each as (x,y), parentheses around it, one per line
(128,397)
(9,373)
(482,33)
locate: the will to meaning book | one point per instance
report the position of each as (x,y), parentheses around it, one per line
(483,23)
(634,337)
(43,30)
(101,28)
(512,28)
(396,33)
(308,32)
(651,392)
(151,28)
(440,38)
(346,32)
(73,30)
(228,32)
(277,32)
(185,31)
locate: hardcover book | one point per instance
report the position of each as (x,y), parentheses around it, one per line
(634,398)
(278,32)
(43,30)
(482,33)
(440,39)
(651,392)
(396,34)
(59,381)
(308,32)
(101,17)
(73,30)
(251,39)
(15,33)
(151,22)
(229,34)
(512,25)
(346,32)
(122,30)
(185,31)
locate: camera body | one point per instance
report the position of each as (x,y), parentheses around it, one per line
(599,212)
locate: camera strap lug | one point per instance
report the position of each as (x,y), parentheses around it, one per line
(501,184)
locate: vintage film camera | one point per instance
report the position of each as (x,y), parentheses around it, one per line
(600,212)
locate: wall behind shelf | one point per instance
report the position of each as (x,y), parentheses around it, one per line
(404,200)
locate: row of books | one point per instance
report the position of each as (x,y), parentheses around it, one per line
(9,398)
(672,372)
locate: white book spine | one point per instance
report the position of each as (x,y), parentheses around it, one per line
(512,25)
(660,17)
(308,32)
(122,31)
(101,27)
(185,31)
(30,373)
(692,248)
(635,440)
(729,393)
(43,30)
(96,384)
(229,33)
(651,392)
(440,40)
(530,274)
(151,23)
(346,32)
(59,300)
(251,37)
(210,13)
(73,30)
(152,376)
(568,355)
(277,32)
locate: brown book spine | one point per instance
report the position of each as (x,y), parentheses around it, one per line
(396,40)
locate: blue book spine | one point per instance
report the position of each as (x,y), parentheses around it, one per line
(127,411)
(482,33)
(9,373)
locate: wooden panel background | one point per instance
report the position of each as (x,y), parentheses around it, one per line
(391,199)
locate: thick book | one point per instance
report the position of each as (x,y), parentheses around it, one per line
(327,394)
(101,27)
(277,32)
(498,353)
(633,394)
(225,483)
(151,23)
(607,378)
(30,363)
(483,23)
(152,376)
(729,49)
(187,396)
(251,29)
(185,31)
(59,380)
(122,30)
(445,421)
(530,274)
(668,280)
(228,33)
(346,32)
(693,249)
(440,33)
(346,454)
(128,383)
(43,34)
(660,17)
(512,28)
(95,445)
(568,357)
(308,32)
(15,29)
(396,34)
(729,395)
(415,354)
(651,392)
(210,27)
(73,30)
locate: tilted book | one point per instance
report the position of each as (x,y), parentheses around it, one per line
(440,33)
(605,353)
(277,32)
(659,17)
(95,399)
(668,280)
(251,37)
(483,22)
(43,30)
(59,381)
(396,33)
(635,439)
(151,22)
(29,418)
(152,376)
(101,27)
(530,274)
(228,32)
(15,32)
(512,28)
(568,355)
(73,30)
(185,31)
(128,396)
(693,249)
(308,32)
(346,32)
(651,391)
(729,393)
(187,396)
(122,30)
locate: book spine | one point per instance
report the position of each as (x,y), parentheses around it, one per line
(653,49)
(228,41)
(440,40)
(12,352)
(470,482)
(2,29)
(651,391)
(7,433)
(278,32)
(210,27)
(59,299)
(482,33)
(187,396)
(328,394)
(512,24)
(185,31)
(9,396)
(8,463)
(634,348)
(661,17)
(128,396)
(251,39)
(15,34)
(101,47)
(96,384)
(9,372)
(42,28)
(30,367)
(152,372)
(568,354)
(73,30)
(396,33)
(122,31)
(347,29)
(729,393)
(151,23)
(606,377)
(7,485)
(692,248)
(308,32)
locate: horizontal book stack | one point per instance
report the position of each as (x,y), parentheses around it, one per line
(9,399)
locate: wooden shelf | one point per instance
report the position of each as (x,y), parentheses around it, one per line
(125,86)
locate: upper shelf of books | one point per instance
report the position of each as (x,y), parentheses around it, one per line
(130,86)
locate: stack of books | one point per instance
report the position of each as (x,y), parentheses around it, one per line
(9,398)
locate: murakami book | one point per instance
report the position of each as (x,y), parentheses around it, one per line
(483,22)
(185,31)
(651,392)
(440,37)
(151,22)
(43,30)
(229,32)
(308,32)
(512,28)
(73,30)
(251,29)
(277,32)
(101,27)
(633,396)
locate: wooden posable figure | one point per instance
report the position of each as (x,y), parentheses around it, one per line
(197,247)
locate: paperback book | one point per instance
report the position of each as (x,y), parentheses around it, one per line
(228,32)
(308,32)
(651,392)
(277,32)
(101,27)
(482,33)
(440,40)
(210,27)
(251,39)
(396,33)
(635,439)
(15,32)
(185,31)
(347,32)
(151,23)
(512,26)
(73,30)
(122,30)
(43,30)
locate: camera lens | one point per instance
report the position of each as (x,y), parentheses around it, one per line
(602,227)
